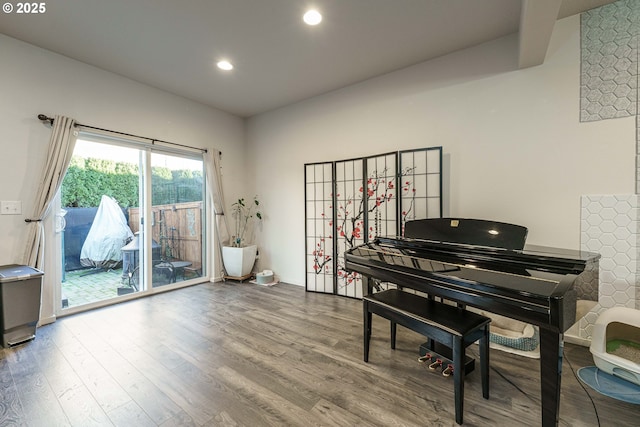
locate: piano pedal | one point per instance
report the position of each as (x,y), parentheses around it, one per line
(424,358)
(435,365)
(448,370)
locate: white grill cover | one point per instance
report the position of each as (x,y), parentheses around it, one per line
(108,234)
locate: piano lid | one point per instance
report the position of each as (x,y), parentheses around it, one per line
(532,257)
(522,274)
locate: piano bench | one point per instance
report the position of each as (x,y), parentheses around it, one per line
(451,326)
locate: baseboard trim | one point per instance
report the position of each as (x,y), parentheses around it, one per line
(47,320)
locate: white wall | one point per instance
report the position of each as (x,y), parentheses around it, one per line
(33,81)
(513,145)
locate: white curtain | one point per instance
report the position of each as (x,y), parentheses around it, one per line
(63,139)
(214,182)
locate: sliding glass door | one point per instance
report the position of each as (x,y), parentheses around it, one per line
(109,249)
(100,251)
(177,195)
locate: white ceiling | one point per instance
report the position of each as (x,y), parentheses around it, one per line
(173,45)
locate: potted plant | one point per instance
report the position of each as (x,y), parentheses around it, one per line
(242,212)
(240,257)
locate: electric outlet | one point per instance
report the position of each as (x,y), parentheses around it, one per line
(10,207)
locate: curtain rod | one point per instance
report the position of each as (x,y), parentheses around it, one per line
(45,118)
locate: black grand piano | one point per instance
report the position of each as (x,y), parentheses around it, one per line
(484,264)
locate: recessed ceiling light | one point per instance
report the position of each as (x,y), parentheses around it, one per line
(225,65)
(312,17)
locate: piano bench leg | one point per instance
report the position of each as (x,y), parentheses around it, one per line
(484,361)
(458,377)
(393,335)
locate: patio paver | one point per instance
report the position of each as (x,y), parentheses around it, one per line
(80,288)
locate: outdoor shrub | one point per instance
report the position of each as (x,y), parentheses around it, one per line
(88,179)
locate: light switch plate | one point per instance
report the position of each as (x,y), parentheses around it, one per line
(10,207)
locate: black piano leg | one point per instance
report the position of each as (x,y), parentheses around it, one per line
(367,330)
(551,345)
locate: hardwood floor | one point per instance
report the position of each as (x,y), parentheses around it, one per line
(232,354)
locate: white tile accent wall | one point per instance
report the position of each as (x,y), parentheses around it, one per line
(609,65)
(610,226)
(637,154)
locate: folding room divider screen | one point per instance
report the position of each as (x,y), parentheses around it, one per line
(349,202)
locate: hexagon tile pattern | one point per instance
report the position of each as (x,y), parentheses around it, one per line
(637,154)
(609,61)
(610,226)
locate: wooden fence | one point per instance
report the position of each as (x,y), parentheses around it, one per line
(177,228)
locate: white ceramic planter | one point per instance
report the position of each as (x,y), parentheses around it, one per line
(238,262)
